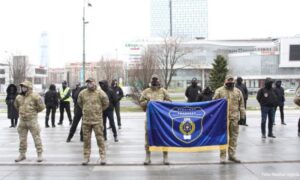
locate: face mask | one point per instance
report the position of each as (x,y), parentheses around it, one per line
(24,90)
(90,85)
(154,83)
(194,84)
(229,85)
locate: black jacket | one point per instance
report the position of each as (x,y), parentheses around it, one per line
(192,93)
(206,95)
(12,112)
(110,94)
(267,97)
(279,91)
(119,92)
(51,97)
(243,89)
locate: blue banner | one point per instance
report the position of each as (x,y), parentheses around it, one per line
(187,127)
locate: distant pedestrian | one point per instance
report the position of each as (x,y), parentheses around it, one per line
(92,102)
(77,87)
(243,88)
(29,104)
(109,112)
(236,109)
(12,112)
(205,95)
(51,102)
(77,115)
(192,92)
(268,101)
(64,103)
(119,94)
(279,91)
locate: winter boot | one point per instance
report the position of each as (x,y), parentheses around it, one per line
(103,160)
(21,157)
(147,159)
(12,123)
(85,161)
(39,157)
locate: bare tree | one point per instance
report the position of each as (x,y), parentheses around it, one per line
(18,68)
(110,69)
(169,55)
(140,74)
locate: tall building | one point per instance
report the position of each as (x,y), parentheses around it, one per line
(44,49)
(183,18)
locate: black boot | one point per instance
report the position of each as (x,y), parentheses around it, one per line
(53,122)
(47,122)
(12,123)
(69,138)
(16,122)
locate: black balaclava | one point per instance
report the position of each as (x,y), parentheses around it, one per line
(239,80)
(278,83)
(104,85)
(194,82)
(154,82)
(268,83)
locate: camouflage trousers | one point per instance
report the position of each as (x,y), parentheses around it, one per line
(146,139)
(34,128)
(87,132)
(233,137)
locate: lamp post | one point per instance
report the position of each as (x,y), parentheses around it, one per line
(171,28)
(84,22)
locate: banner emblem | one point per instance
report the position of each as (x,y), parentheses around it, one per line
(187,123)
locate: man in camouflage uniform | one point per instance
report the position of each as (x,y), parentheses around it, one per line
(29,104)
(154,93)
(236,109)
(92,102)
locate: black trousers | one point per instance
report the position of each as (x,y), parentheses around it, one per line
(53,111)
(110,116)
(299,125)
(281,113)
(76,120)
(117,110)
(65,105)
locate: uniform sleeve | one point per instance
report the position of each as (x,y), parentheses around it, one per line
(246,93)
(144,100)
(16,103)
(187,92)
(40,106)
(79,100)
(104,100)
(242,106)
(217,94)
(167,96)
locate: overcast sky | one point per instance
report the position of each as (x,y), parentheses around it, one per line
(114,22)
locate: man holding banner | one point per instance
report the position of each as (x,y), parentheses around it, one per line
(154,93)
(236,111)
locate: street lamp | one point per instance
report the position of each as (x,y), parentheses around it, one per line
(84,22)
(171,23)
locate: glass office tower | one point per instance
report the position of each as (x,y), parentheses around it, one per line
(183,18)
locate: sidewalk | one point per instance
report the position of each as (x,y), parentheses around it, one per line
(277,158)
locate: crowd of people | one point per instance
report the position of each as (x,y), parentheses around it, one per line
(95,105)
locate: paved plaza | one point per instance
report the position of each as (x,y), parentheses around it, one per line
(277,158)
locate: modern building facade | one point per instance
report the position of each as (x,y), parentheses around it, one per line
(252,59)
(179,18)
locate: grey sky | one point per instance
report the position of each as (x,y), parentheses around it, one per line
(113,22)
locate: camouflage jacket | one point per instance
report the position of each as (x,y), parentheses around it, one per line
(236,108)
(153,94)
(29,105)
(92,103)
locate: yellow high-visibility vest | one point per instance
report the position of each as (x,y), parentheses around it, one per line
(63,93)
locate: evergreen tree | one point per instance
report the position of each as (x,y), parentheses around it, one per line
(218,73)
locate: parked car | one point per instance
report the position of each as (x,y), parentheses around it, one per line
(290,91)
(127,91)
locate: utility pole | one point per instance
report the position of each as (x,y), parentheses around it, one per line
(171,29)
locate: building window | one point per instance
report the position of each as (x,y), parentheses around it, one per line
(2,71)
(40,71)
(2,80)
